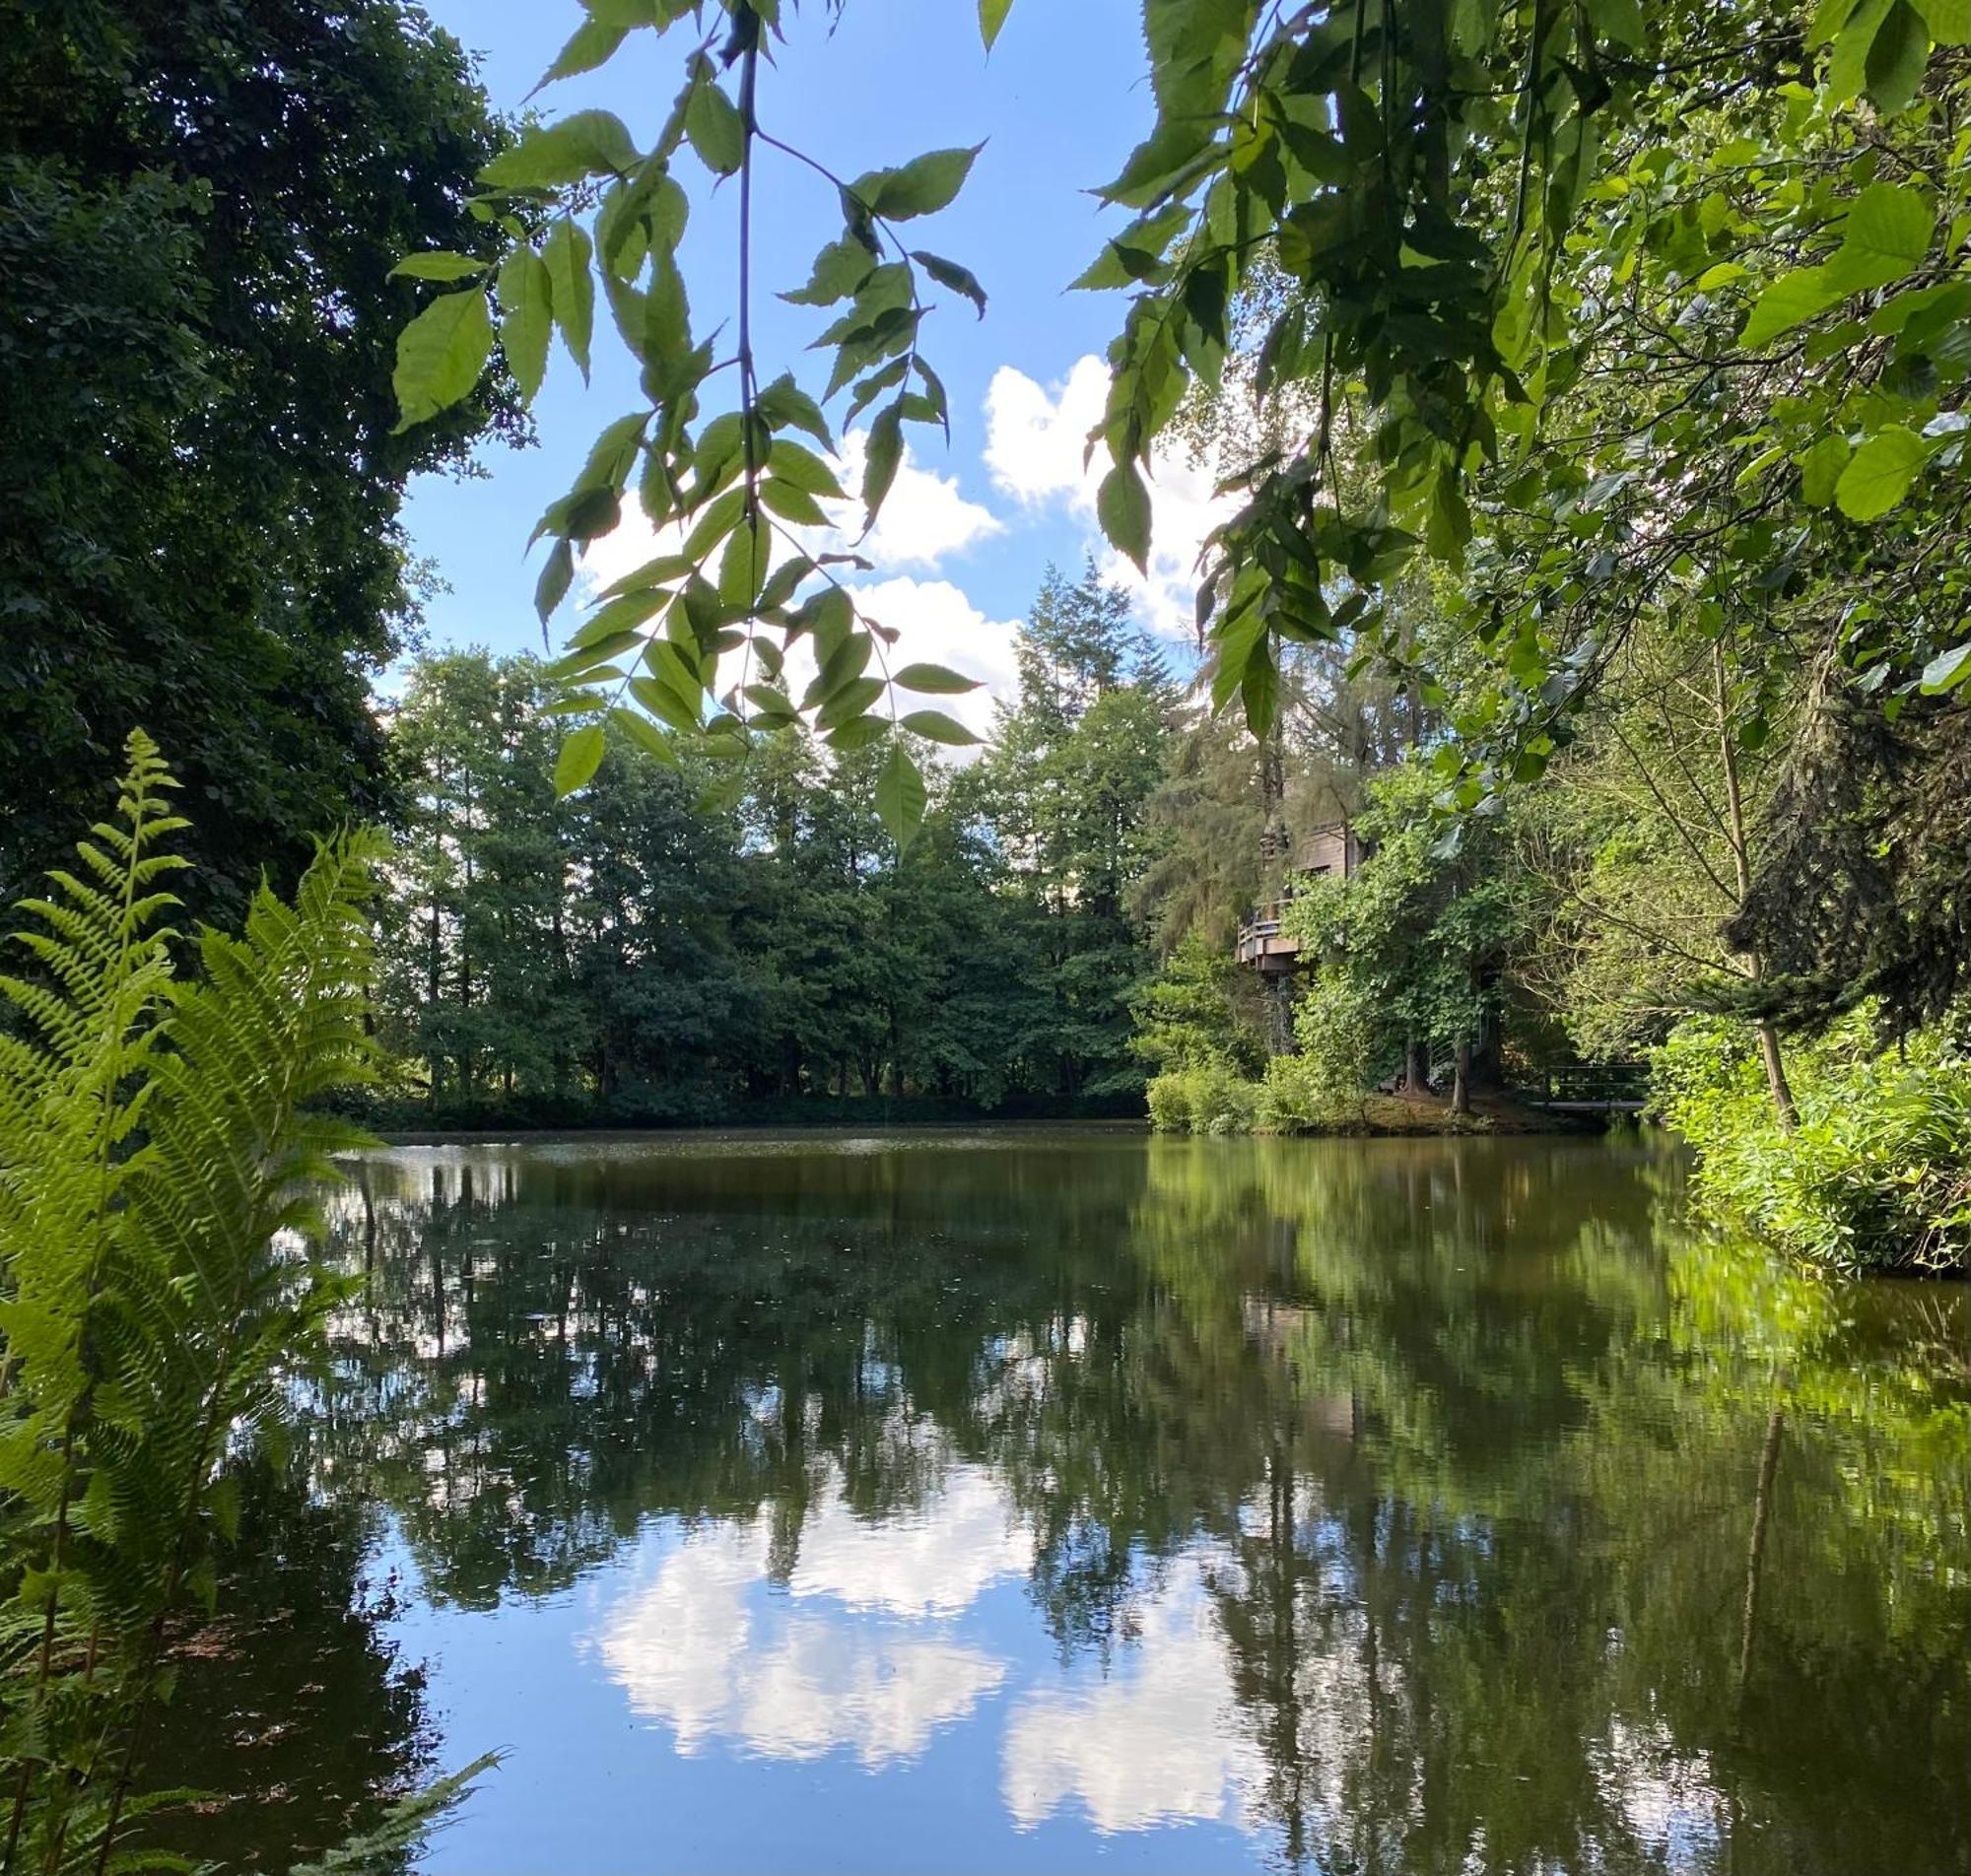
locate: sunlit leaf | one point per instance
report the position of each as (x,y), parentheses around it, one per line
(580,756)
(527,318)
(440,354)
(1879,474)
(937,728)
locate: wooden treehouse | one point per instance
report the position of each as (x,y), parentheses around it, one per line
(1332,852)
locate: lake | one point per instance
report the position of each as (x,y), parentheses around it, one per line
(1071,1499)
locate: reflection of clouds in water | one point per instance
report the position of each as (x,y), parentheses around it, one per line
(935,1563)
(696,1650)
(1157,1743)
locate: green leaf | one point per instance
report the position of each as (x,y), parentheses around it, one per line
(843,665)
(791,503)
(803,468)
(665,570)
(1896,58)
(1122,506)
(1848,68)
(587,658)
(939,729)
(921,187)
(1949,21)
(552,156)
(565,254)
(1829,16)
(858,734)
(716,131)
(1259,687)
(991,17)
(713,524)
(591,45)
(440,354)
(1790,301)
(886,448)
(934,679)
(1947,670)
(852,699)
(580,756)
(666,698)
(645,735)
(438,265)
(830,615)
(556,576)
(840,270)
(901,797)
(948,273)
(783,404)
(1887,236)
(1620,21)
(1880,473)
(1820,469)
(527,318)
(743,566)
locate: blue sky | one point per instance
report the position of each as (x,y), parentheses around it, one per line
(1059,104)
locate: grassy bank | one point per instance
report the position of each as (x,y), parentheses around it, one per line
(1289,1100)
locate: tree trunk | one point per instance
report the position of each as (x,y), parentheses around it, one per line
(1741,861)
(1460,1079)
(1416,1071)
(1755,1555)
(433,986)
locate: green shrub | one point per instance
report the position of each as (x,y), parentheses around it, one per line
(1878,1174)
(1299,1095)
(1212,1098)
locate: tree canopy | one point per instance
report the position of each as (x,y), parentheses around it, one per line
(200,208)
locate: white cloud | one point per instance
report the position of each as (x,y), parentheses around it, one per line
(935,1564)
(939,624)
(1155,1743)
(696,1649)
(1037,440)
(924,520)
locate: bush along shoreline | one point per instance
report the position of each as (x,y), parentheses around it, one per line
(1292,1097)
(1875,1172)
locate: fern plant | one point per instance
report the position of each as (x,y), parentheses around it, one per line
(159,1295)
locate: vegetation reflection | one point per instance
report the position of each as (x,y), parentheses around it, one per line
(1535,1531)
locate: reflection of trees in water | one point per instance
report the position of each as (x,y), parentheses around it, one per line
(293,1714)
(1517,1611)
(1538,1537)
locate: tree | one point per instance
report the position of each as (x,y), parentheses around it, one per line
(1648,839)
(200,208)
(1065,789)
(1421,932)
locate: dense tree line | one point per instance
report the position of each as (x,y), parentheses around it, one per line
(678,941)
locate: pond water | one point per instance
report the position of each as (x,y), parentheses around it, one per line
(1075,1499)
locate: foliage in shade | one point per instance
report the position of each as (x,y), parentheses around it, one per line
(200,205)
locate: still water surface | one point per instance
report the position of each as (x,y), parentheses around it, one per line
(1051,1502)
